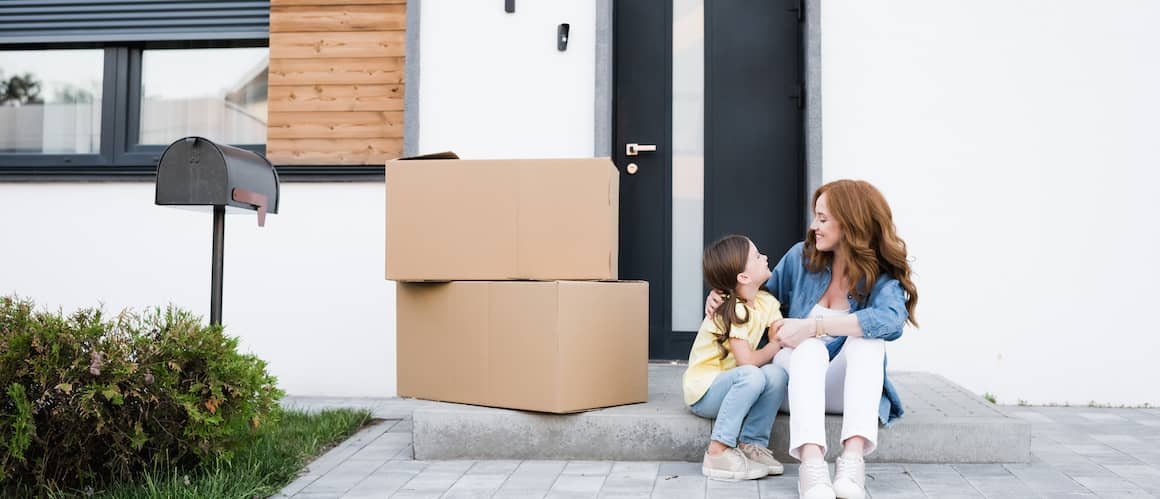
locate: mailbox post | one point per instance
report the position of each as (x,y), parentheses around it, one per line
(196,172)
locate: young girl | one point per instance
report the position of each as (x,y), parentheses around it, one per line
(729,378)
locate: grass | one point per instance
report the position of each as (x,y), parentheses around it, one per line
(274,459)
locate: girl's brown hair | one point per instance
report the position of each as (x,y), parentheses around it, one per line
(870,242)
(722,261)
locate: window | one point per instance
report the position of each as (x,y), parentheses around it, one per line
(219,94)
(50,101)
(100,87)
(113,109)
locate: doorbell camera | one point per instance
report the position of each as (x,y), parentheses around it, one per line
(562,37)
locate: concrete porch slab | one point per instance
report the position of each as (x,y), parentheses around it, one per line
(944,423)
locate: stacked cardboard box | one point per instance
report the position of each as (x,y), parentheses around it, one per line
(507,293)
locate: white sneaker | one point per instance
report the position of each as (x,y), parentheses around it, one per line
(814,481)
(850,478)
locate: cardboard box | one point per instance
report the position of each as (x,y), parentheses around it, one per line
(541,219)
(560,347)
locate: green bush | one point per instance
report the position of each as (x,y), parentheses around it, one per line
(85,400)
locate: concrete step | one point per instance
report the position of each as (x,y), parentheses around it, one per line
(944,423)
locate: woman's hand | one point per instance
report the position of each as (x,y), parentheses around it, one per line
(792,332)
(712,302)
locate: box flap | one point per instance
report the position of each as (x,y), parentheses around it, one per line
(464,216)
(426,333)
(614,231)
(558,221)
(434,155)
(522,345)
(603,344)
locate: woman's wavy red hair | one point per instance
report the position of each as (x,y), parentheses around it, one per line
(870,242)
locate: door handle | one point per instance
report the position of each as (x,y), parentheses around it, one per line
(633,149)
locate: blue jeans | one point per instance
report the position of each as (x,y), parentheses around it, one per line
(744,400)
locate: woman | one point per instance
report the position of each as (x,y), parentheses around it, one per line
(849,290)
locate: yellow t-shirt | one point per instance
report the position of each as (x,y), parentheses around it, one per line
(705,361)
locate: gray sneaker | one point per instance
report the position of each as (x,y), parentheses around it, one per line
(732,465)
(762,455)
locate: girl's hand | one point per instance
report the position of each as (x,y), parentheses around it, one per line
(792,332)
(712,302)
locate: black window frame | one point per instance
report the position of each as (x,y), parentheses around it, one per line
(119,156)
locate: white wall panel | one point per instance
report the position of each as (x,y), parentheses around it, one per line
(1017,143)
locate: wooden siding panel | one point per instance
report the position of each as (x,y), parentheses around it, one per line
(371,71)
(337,125)
(336,98)
(333,151)
(279,3)
(336,18)
(323,45)
(336,81)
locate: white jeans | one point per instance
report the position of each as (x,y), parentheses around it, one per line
(850,385)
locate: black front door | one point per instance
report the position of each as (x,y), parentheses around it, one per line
(707,135)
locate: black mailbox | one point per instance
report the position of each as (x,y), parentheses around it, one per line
(197,172)
(194,171)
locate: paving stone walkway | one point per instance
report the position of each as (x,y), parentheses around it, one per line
(1076,452)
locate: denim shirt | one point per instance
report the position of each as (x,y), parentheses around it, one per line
(881,317)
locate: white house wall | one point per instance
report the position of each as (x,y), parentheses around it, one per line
(306,292)
(1017,143)
(493,85)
